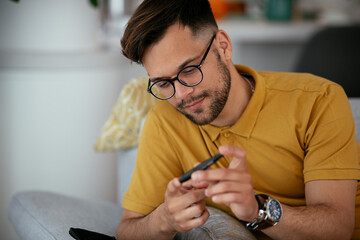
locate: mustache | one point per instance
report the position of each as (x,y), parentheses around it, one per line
(184,102)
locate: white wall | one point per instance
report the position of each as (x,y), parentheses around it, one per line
(50,119)
(57,87)
(275,56)
(51,25)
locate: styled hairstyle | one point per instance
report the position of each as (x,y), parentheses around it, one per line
(152,18)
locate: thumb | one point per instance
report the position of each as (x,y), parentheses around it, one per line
(174,188)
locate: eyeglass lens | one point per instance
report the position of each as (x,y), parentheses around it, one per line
(189,76)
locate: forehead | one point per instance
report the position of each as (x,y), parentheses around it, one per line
(177,46)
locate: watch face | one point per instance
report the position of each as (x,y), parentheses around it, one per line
(274,210)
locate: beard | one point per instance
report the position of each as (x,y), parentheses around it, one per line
(218,98)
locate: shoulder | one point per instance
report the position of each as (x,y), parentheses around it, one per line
(305,82)
(165,117)
(291,82)
(304,87)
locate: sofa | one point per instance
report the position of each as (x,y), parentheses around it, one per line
(39,215)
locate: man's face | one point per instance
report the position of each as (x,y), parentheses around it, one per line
(203,103)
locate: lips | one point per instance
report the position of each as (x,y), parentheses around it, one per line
(193,106)
(193,103)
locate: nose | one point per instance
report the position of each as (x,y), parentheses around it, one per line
(182,91)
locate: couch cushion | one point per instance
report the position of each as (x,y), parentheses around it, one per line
(49,216)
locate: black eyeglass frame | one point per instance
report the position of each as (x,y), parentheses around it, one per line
(171,81)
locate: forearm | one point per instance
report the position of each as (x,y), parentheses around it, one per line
(312,222)
(147,227)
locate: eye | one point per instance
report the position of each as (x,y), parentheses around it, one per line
(162,84)
(188,71)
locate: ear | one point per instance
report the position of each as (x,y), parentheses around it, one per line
(224,44)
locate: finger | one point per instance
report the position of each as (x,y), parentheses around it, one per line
(238,154)
(228,198)
(195,222)
(194,184)
(218,174)
(244,206)
(194,196)
(176,204)
(174,188)
(229,186)
(183,201)
(188,184)
(193,211)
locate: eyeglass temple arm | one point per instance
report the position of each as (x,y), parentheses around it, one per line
(148,87)
(207,51)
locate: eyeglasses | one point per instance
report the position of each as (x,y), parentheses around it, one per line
(189,76)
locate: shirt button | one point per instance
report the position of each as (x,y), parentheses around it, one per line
(227,134)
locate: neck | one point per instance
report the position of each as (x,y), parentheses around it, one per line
(238,99)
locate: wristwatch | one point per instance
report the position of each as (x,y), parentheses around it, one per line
(270,213)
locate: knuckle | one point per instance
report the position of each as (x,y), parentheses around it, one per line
(250,190)
(176,219)
(227,172)
(169,185)
(193,197)
(242,153)
(233,198)
(184,228)
(248,178)
(198,209)
(227,185)
(171,208)
(202,219)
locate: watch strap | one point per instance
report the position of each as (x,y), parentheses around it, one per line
(266,222)
(255,224)
(262,221)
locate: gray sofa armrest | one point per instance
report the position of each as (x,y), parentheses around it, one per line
(49,216)
(355,107)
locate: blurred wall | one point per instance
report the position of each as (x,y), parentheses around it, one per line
(58,84)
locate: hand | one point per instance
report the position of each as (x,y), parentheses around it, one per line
(231,186)
(184,207)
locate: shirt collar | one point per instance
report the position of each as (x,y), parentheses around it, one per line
(245,125)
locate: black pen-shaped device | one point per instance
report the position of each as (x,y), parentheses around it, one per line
(202,166)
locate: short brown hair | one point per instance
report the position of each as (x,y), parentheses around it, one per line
(153,17)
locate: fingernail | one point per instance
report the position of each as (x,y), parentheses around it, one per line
(195,176)
(223,147)
(207,192)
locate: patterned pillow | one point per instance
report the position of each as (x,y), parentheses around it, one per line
(121,130)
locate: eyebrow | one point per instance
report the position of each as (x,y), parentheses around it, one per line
(180,67)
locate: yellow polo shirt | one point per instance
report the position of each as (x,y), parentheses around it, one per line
(295,129)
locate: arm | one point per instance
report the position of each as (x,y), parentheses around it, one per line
(176,214)
(329,213)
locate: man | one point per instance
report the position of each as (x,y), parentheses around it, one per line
(287,138)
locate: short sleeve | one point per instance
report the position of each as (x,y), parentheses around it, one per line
(331,148)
